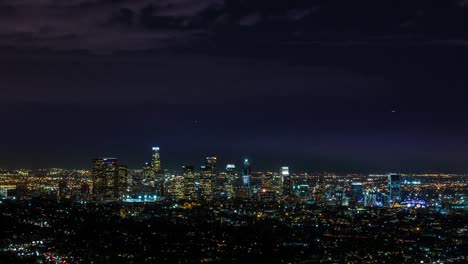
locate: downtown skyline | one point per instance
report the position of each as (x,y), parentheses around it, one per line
(233,131)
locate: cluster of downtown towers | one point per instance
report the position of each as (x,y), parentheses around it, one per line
(111,180)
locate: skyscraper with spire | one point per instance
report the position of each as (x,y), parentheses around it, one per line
(157,175)
(246,173)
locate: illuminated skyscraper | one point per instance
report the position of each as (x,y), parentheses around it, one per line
(394,188)
(268,180)
(122,178)
(320,189)
(188,173)
(155,161)
(147,172)
(105,178)
(244,191)
(156,177)
(178,187)
(211,163)
(246,173)
(229,184)
(357,194)
(286,181)
(207,179)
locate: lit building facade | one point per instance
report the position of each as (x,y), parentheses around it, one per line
(211,162)
(357,194)
(206,182)
(178,187)
(188,174)
(246,174)
(105,175)
(394,188)
(155,161)
(122,185)
(156,176)
(287,181)
(229,184)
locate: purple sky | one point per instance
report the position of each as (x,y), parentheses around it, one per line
(316,85)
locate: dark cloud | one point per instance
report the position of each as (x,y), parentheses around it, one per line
(145,24)
(149,77)
(376,82)
(98,25)
(124,16)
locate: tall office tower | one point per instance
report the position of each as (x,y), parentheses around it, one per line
(229,184)
(155,161)
(97,172)
(122,180)
(320,189)
(178,187)
(188,173)
(246,173)
(357,194)
(211,162)
(105,178)
(157,179)
(268,180)
(244,191)
(206,182)
(287,181)
(146,170)
(394,188)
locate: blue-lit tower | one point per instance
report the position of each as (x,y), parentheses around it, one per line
(394,188)
(246,173)
(357,193)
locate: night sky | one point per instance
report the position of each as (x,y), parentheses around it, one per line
(360,86)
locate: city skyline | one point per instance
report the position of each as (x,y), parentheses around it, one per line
(176,164)
(233,131)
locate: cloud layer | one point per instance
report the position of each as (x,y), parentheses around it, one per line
(147,24)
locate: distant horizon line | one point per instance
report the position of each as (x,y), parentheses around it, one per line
(417,172)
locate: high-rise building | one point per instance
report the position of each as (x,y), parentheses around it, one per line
(394,188)
(246,173)
(320,189)
(206,182)
(156,177)
(211,163)
(178,187)
(229,184)
(147,173)
(287,181)
(105,178)
(155,161)
(244,191)
(122,184)
(188,173)
(357,194)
